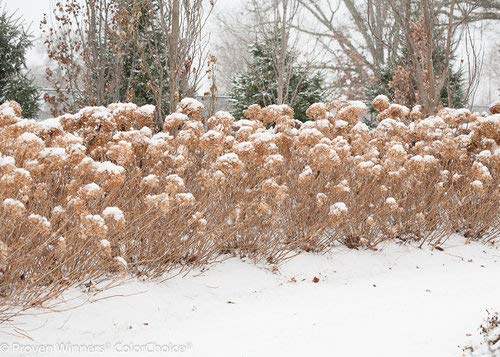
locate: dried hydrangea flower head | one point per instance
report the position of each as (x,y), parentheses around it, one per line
(253,112)
(381,103)
(13,208)
(9,113)
(174,121)
(495,107)
(351,112)
(192,108)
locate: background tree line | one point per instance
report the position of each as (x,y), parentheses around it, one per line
(274,52)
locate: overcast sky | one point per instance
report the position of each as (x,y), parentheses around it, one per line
(33,10)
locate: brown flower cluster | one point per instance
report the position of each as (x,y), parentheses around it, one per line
(98,192)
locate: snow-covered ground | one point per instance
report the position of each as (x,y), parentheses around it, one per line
(398,301)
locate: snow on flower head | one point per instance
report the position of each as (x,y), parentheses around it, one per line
(390,200)
(191,107)
(317,111)
(94,226)
(150,180)
(96,218)
(147,110)
(53,154)
(114,213)
(229,162)
(185,199)
(338,210)
(174,183)
(174,120)
(108,167)
(352,111)
(30,138)
(14,207)
(7,162)
(381,103)
(106,246)
(40,223)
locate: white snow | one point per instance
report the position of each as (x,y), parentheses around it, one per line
(91,187)
(381,97)
(113,212)
(122,261)
(264,137)
(477,184)
(53,152)
(307,172)
(360,126)
(229,158)
(398,148)
(244,147)
(147,110)
(177,116)
(341,123)
(7,111)
(338,208)
(357,104)
(122,106)
(40,219)
(7,161)
(58,209)
(52,123)
(212,135)
(29,137)
(390,200)
(366,164)
(22,172)
(398,301)
(97,219)
(10,202)
(175,179)
(105,243)
(108,167)
(191,104)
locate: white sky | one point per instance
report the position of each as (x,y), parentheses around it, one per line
(33,10)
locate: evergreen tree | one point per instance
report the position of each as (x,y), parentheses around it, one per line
(15,84)
(258,83)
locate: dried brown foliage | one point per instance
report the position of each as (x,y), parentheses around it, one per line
(97,193)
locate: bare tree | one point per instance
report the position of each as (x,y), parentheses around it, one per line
(430,65)
(182,23)
(355,58)
(383,29)
(95,46)
(106,50)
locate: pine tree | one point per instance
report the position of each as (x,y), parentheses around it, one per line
(15,83)
(258,83)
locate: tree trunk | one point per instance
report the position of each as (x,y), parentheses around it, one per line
(174,56)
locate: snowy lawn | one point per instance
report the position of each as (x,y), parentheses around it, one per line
(398,301)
